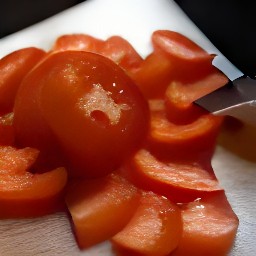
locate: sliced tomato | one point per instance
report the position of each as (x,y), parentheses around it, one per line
(6,130)
(191,61)
(94,109)
(24,194)
(122,53)
(13,68)
(180,182)
(78,42)
(30,127)
(155,228)
(180,96)
(100,207)
(186,141)
(154,75)
(209,227)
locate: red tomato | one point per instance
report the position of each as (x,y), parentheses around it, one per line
(190,60)
(13,69)
(209,227)
(154,229)
(78,42)
(24,194)
(180,182)
(154,75)
(93,108)
(6,129)
(122,53)
(100,207)
(190,141)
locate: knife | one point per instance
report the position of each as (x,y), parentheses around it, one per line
(238,97)
(136,21)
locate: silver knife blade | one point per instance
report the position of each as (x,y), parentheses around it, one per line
(237,99)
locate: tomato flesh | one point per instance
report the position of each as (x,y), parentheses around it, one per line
(100,207)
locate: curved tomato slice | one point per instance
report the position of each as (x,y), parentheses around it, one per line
(154,229)
(209,227)
(187,141)
(180,182)
(78,42)
(100,207)
(13,68)
(95,110)
(24,194)
(122,53)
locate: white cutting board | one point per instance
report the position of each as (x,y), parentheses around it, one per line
(52,235)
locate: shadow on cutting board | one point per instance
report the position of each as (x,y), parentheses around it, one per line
(238,138)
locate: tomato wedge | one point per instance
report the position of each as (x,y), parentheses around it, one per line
(155,228)
(24,194)
(13,68)
(209,227)
(100,207)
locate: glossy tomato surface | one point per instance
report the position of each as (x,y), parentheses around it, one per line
(93,108)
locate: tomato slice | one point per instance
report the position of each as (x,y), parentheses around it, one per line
(24,194)
(77,42)
(180,96)
(209,227)
(100,207)
(179,46)
(180,182)
(94,109)
(155,228)
(187,141)
(122,53)
(13,68)
(154,75)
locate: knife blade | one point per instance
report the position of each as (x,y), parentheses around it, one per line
(238,97)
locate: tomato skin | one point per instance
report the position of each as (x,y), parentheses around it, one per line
(78,42)
(13,68)
(7,136)
(95,135)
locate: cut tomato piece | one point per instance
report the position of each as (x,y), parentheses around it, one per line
(191,61)
(24,194)
(180,96)
(122,53)
(78,42)
(154,75)
(180,182)
(6,130)
(209,227)
(155,228)
(182,141)
(178,46)
(13,68)
(100,207)
(94,109)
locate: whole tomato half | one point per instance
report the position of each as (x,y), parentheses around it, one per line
(95,111)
